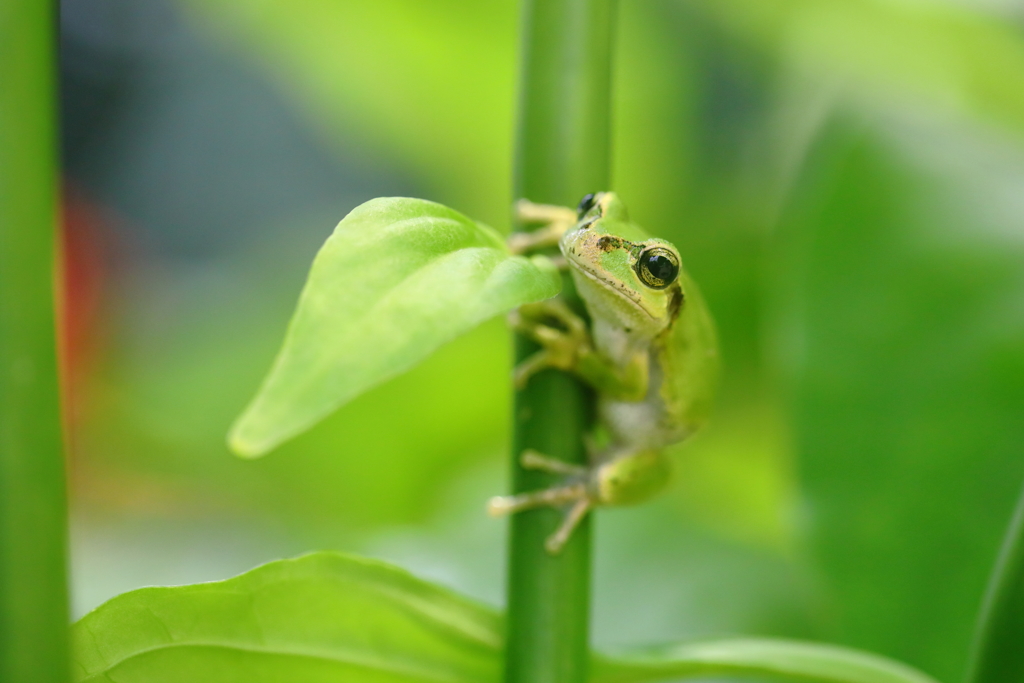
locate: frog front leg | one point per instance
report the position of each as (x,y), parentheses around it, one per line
(619,476)
(561,334)
(566,345)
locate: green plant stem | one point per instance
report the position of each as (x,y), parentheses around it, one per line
(563,142)
(998,655)
(33,525)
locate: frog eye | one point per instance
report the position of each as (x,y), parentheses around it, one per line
(657,267)
(586,204)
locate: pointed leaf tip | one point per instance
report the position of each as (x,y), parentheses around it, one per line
(397,279)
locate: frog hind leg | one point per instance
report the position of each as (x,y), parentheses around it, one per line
(576,491)
(631,476)
(553,497)
(622,476)
(556,541)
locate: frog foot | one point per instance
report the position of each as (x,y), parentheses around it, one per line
(562,335)
(576,491)
(620,476)
(555,221)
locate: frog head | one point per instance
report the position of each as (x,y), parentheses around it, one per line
(626,278)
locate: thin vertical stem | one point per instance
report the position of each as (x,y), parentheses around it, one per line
(998,647)
(562,145)
(33,525)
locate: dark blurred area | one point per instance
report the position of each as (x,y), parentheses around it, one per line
(844,179)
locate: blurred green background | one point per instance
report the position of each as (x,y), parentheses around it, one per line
(845,178)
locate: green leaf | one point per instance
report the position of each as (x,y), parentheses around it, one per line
(320,617)
(998,655)
(332,617)
(398,278)
(757,659)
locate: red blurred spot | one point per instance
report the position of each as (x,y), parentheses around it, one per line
(83,244)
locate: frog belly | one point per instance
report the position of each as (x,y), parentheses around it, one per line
(636,423)
(643,424)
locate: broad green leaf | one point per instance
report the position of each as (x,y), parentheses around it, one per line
(755,659)
(398,278)
(997,655)
(332,617)
(320,617)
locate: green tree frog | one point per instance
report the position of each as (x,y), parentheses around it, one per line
(649,351)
